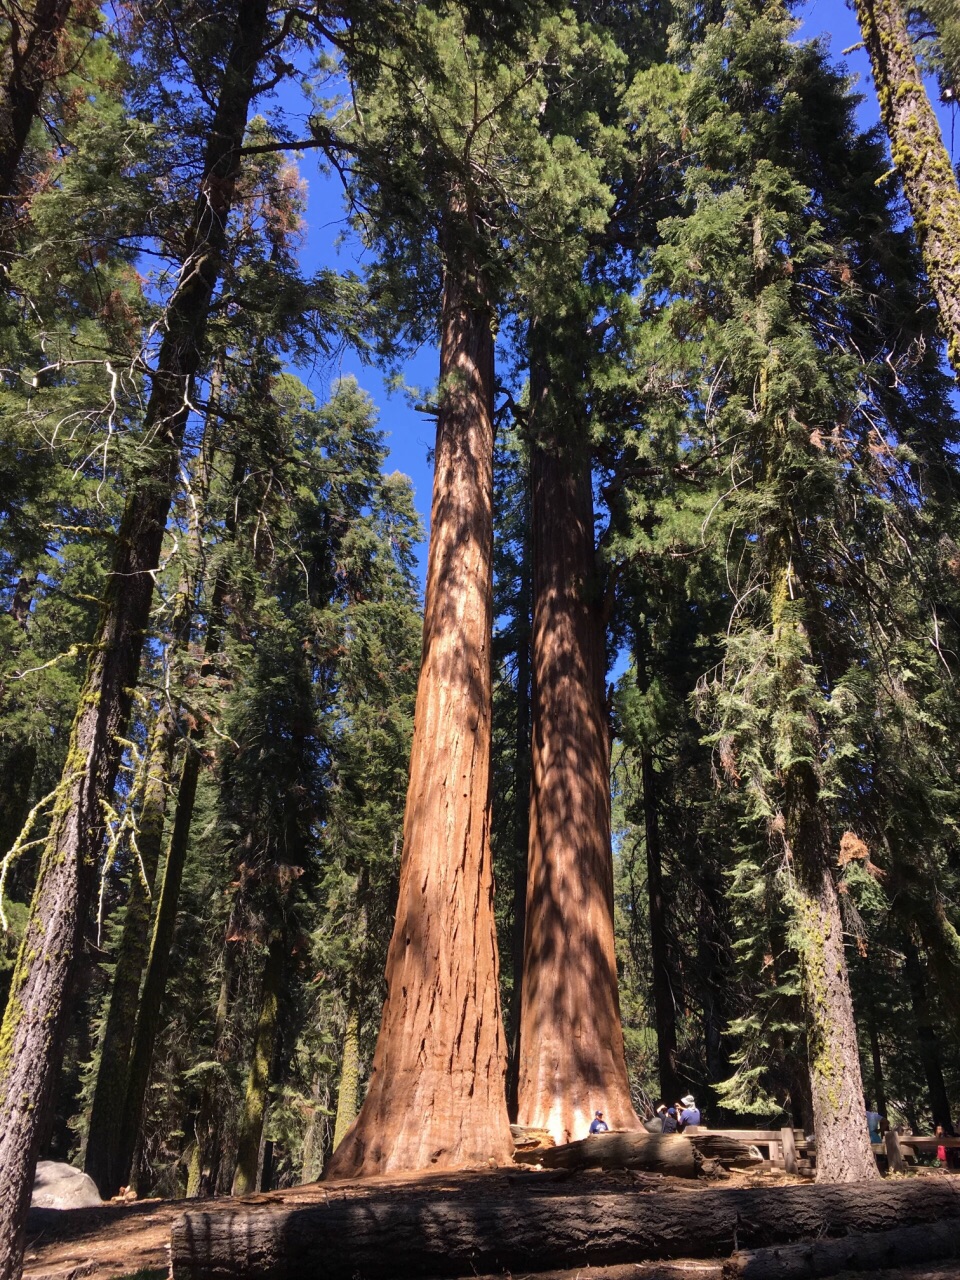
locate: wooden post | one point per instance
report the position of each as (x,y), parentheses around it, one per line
(895,1160)
(788,1148)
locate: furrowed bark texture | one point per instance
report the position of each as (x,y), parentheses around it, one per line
(347,1094)
(436,1092)
(103,1136)
(916,143)
(843,1145)
(571,1040)
(26,65)
(533,1228)
(34,1020)
(258,1078)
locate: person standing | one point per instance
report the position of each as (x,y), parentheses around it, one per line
(598,1124)
(687,1112)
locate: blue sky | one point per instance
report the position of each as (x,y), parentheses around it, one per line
(410,434)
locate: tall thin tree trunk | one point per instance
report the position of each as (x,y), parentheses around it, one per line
(664,1003)
(876,1058)
(258,1078)
(928,1041)
(34,1020)
(26,63)
(309,1169)
(205,1165)
(436,1092)
(843,1144)
(348,1101)
(521,822)
(101,1153)
(571,1039)
(130,1103)
(916,142)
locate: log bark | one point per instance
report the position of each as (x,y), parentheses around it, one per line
(928,1243)
(666,1153)
(679,1156)
(571,1038)
(529,1228)
(35,1022)
(436,1093)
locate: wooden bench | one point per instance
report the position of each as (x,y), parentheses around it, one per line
(785,1148)
(789,1149)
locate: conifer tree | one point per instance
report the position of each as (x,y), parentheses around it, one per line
(920,156)
(33,1021)
(473,121)
(27,61)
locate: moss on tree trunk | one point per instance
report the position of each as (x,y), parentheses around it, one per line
(348,1093)
(918,152)
(255,1098)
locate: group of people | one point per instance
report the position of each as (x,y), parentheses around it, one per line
(666,1119)
(676,1118)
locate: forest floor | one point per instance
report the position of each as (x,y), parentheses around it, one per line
(132,1240)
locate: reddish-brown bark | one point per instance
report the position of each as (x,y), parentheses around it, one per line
(571,1040)
(436,1093)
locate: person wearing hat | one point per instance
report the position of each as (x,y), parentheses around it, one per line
(668,1118)
(598,1124)
(687,1112)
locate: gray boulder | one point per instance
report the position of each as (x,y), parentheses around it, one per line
(61,1186)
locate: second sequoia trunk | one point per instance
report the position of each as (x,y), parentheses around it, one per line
(571,1040)
(436,1093)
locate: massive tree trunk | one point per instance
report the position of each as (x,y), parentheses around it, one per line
(843,1144)
(436,1092)
(26,64)
(664,1005)
(258,1078)
(34,1020)
(571,1040)
(918,151)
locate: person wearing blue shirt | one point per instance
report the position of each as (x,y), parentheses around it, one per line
(669,1123)
(598,1124)
(688,1112)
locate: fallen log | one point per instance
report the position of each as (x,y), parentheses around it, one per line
(661,1153)
(362,1232)
(932,1242)
(671,1154)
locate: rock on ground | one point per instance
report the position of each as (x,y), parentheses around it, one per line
(61,1186)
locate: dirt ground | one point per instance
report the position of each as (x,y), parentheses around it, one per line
(133,1239)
